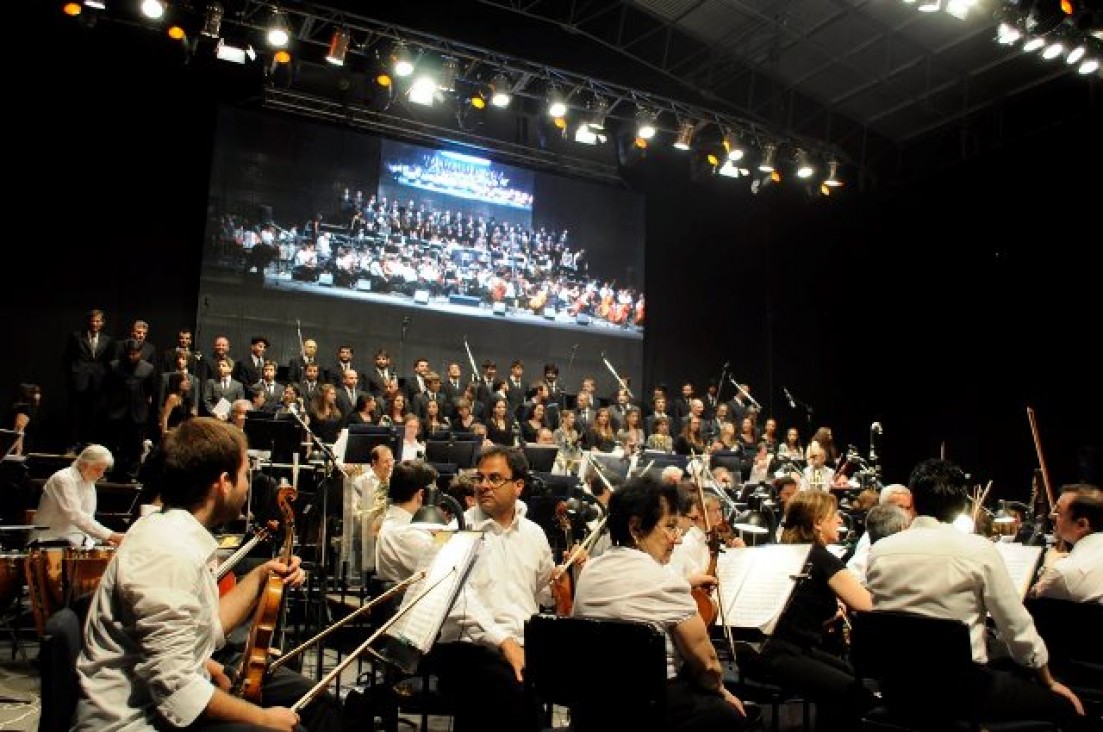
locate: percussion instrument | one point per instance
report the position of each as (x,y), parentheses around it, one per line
(83,569)
(59,576)
(12,575)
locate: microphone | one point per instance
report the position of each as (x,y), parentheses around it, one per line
(405,320)
(727,365)
(788,396)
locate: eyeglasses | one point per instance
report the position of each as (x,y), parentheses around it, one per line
(496,480)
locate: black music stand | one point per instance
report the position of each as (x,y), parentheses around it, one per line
(541,457)
(462,453)
(8,438)
(730,459)
(359,447)
(280,437)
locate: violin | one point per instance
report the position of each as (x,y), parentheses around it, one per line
(707,605)
(226,579)
(254,660)
(563,586)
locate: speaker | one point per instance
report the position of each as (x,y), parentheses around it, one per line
(326,278)
(549,313)
(499,308)
(469,300)
(582,319)
(421,297)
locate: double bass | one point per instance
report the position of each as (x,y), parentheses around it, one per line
(254,660)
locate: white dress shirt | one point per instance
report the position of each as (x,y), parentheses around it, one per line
(1079,576)
(68,507)
(629,584)
(152,626)
(860,559)
(691,555)
(933,569)
(511,579)
(401,549)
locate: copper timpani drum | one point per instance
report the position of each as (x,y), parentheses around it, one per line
(12,575)
(44,570)
(83,570)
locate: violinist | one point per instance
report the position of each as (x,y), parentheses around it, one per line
(157,617)
(630,581)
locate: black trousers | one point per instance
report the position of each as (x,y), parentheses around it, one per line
(282,688)
(690,709)
(487,694)
(985,693)
(827,680)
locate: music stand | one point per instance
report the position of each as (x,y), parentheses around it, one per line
(730,459)
(541,457)
(461,453)
(8,438)
(374,429)
(361,444)
(280,437)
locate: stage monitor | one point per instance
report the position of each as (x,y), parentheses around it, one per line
(360,445)
(541,457)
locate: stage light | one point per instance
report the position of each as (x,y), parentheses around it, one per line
(1053,50)
(732,146)
(71,9)
(1007,34)
(1089,66)
(338,47)
(929,6)
(95,4)
(832,179)
(281,56)
(153,9)
(401,60)
(1033,45)
(597,111)
(212,20)
(500,88)
(278,34)
(585,135)
(557,103)
(805,168)
(769,154)
(176,32)
(645,123)
(730,170)
(685,134)
(477,101)
(449,70)
(423,91)
(1076,54)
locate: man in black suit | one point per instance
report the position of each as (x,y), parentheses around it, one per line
(272,389)
(517,387)
(208,364)
(432,393)
(139,330)
(312,380)
(130,389)
(87,355)
(250,369)
(381,374)
(416,384)
(453,385)
(184,341)
(336,374)
(348,392)
(296,367)
(222,386)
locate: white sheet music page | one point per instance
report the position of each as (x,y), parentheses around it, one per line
(419,627)
(1021,562)
(755,583)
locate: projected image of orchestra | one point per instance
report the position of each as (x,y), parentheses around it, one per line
(447,230)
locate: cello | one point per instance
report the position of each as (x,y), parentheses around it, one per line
(254,660)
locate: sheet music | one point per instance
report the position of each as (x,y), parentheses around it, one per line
(1021,562)
(340,445)
(421,625)
(755,583)
(222,409)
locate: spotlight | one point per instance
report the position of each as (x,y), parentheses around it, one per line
(585,135)
(1033,45)
(338,47)
(685,134)
(805,168)
(832,179)
(500,88)
(1089,66)
(153,9)
(645,123)
(769,154)
(449,70)
(71,9)
(212,20)
(401,60)
(176,32)
(278,35)
(1053,50)
(281,57)
(929,6)
(598,111)
(423,91)
(95,4)
(732,146)
(1076,54)
(557,103)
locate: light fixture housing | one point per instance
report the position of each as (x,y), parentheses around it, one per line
(596,112)
(338,46)
(645,123)
(449,71)
(423,91)
(732,146)
(557,103)
(153,9)
(212,20)
(804,165)
(768,163)
(686,128)
(401,60)
(832,179)
(501,91)
(278,34)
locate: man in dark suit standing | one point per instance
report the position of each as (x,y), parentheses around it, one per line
(87,354)
(130,388)
(222,386)
(184,341)
(381,375)
(296,367)
(250,369)
(432,393)
(348,392)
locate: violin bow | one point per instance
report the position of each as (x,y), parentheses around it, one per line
(712,541)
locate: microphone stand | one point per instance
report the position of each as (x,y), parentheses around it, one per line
(807,412)
(323,542)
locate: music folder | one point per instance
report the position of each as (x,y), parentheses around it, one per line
(1021,561)
(414,634)
(756,582)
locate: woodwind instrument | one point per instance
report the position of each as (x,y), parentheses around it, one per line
(613,371)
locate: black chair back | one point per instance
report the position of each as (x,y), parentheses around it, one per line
(58,653)
(559,657)
(898,645)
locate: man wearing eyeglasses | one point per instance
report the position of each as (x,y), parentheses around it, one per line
(481,648)
(1078,575)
